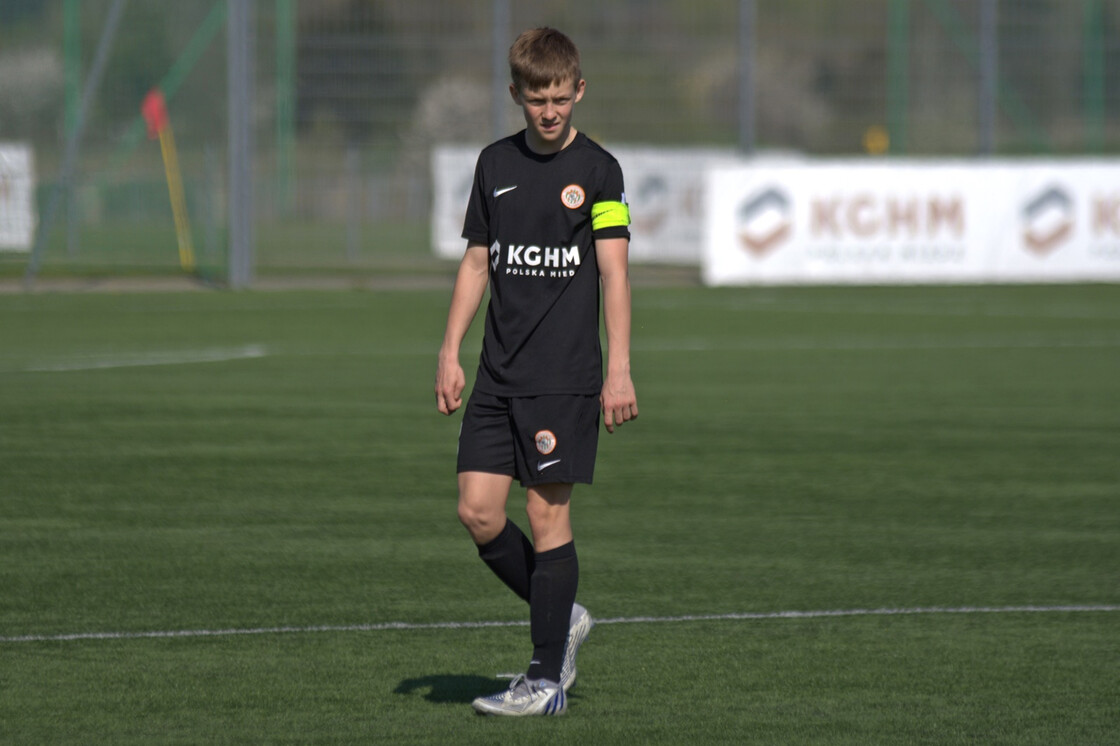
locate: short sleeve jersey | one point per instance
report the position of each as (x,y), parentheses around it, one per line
(540,215)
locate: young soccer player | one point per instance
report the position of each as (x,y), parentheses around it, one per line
(546,227)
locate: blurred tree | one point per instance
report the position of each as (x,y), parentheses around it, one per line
(16,11)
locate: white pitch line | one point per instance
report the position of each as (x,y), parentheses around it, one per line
(750,616)
(886,343)
(146,359)
(411,626)
(980,310)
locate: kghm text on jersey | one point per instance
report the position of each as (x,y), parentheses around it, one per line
(546,258)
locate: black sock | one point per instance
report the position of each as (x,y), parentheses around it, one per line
(553,585)
(510,556)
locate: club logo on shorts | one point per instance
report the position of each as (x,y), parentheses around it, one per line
(572,196)
(546,442)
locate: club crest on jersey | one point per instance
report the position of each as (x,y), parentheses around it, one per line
(573,196)
(546,442)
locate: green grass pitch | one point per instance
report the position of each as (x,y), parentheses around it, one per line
(250,461)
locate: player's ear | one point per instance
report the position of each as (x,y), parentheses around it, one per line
(516,94)
(580,86)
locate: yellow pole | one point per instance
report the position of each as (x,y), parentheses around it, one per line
(154,109)
(178,200)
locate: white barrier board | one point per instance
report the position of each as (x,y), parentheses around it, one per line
(664,187)
(17,197)
(912,222)
(452,177)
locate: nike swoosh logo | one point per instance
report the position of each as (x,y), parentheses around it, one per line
(542,465)
(503,190)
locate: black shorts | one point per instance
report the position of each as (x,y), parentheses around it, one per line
(536,439)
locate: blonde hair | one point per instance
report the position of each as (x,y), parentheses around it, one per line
(542,56)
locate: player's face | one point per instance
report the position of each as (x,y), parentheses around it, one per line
(548,114)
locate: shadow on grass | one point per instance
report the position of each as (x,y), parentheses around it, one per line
(446,688)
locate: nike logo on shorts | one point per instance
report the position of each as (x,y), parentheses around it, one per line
(542,465)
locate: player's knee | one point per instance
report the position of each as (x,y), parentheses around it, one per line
(480,521)
(546,516)
(538,514)
(468,515)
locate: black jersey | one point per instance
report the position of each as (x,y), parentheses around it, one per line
(535,212)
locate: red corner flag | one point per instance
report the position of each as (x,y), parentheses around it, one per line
(154,110)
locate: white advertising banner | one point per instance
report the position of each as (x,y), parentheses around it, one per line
(912,222)
(663,186)
(452,177)
(665,189)
(17,197)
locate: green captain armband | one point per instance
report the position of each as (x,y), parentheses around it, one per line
(609,215)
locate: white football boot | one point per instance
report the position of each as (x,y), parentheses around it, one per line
(525,697)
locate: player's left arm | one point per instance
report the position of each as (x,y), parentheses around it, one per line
(618,399)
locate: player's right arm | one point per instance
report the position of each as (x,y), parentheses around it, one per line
(470,287)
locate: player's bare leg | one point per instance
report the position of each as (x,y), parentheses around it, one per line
(549,571)
(548,507)
(550,518)
(554,580)
(482,504)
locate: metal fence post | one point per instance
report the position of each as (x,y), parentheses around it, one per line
(239,37)
(73,140)
(1094,94)
(499,62)
(285,101)
(72,74)
(748,17)
(352,168)
(989,75)
(898,74)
